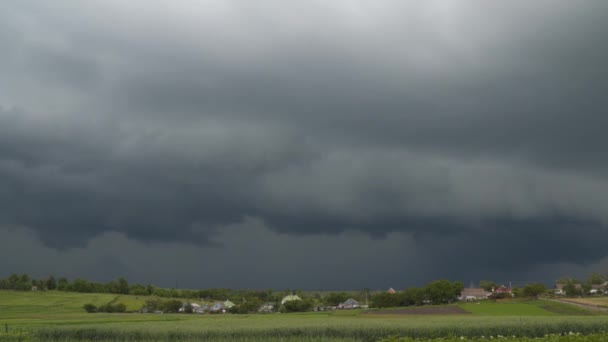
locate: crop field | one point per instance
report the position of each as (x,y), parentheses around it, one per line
(57,316)
(594,301)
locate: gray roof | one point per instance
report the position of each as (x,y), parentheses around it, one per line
(351,301)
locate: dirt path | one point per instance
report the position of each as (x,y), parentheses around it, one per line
(581,305)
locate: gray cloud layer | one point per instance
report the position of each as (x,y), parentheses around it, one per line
(471,129)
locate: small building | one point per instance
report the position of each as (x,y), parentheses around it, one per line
(559,288)
(503,289)
(228,304)
(197,308)
(349,304)
(391,290)
(266,308)
(290,298)
(471,294)
(598,288)
(218,307)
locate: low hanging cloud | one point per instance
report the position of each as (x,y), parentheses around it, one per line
(473,129)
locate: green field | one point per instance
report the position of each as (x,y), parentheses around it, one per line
(58,316)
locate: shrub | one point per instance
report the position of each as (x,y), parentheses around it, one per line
(90,308)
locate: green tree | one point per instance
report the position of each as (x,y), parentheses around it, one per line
(534,290)
(62,284)
(596,279)
(51,283)
(488,285)
(573,289)
(443,291)
(90,308)
(172,305)
(412,296)
(298,305)
(336,298)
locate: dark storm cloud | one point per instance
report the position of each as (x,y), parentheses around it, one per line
(456,123)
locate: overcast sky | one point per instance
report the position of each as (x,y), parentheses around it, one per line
(304,144)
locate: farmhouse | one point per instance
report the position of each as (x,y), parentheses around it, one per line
(559,288)
(196,308)
(218,307)
(266,308)
(598,288)
(474,294)
(349,304)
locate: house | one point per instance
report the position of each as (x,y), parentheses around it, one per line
(559,288)
(290,298)
(503,289)
(197,308)
(391,290)
(470,294)
(228,304)
(598,288)
(266,308)
(349,304)
(218,307)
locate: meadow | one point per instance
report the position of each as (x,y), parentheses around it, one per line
(58,316)
(601,302)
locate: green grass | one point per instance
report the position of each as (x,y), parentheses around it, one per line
(488,308)
(565,309)
(58,316)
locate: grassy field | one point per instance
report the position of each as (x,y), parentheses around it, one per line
(527,308)
(57,316)
(595,301)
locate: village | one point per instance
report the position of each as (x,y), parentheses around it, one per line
(469,294)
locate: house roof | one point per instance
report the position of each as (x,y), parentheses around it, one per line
(391,290)
(229,304)
(218,306)
(351,301)
(503,289)
(475,292)
(561,286)
(290,298)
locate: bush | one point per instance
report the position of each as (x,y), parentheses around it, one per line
(111,308)
(298,305)
(90,308)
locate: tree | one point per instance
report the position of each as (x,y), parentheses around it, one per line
(51,283)
(534,290)
(335,298)
(412,296)
(385,300)
(118,286)
(488,285)
(596,279)
(172,305)
(62,284)
(573,289)
(298,305)
(443,291)
(90,308)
